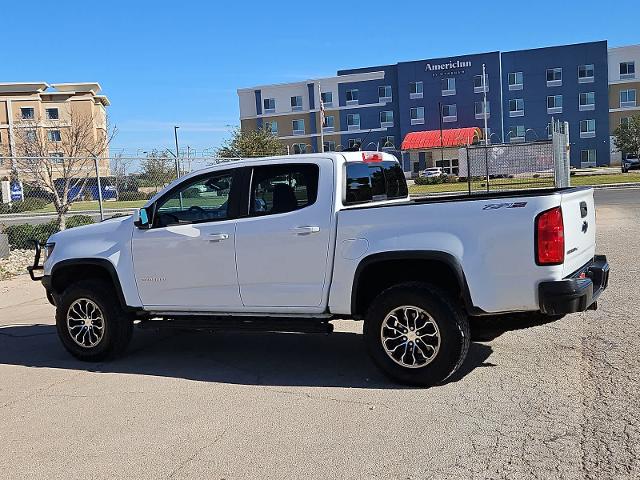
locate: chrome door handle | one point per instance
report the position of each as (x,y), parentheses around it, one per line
(305,230)
(217,237)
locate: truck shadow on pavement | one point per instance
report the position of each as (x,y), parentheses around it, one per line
(336,360)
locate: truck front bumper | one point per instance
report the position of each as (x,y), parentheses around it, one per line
(576,293)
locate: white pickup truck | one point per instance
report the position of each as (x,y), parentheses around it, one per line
(289,243)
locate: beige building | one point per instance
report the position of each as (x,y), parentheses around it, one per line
(40,119)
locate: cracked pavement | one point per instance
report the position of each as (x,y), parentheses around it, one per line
(556,401)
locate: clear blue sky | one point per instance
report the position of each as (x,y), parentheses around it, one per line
(179,63)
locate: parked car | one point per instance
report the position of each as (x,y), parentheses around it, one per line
(346,243)
(630,163)
(433,172)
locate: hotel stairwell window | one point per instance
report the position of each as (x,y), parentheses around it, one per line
(517,133)
(298,127)
(52,114)
(296,103)
(478,86)
(385,94)
(269,105)
(587,101)
(299,148)
(327,99)
(588,158)
(353,121)
(554,77)
(352,96)
(587,128)
(516,107)
(628,98)
(448,86)
(554,104)
(585,73)
(329,123)
(386,118)
(627,70)
(26,113)
(479,110)
(516,80)
(387,142)
(415,90)
(329,146)
(417,115)
(353,142)
(54,136)
(271,127)
(449,113)
(30,135)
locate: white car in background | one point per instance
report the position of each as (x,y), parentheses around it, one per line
(433,172)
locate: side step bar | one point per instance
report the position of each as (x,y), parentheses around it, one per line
(241,324)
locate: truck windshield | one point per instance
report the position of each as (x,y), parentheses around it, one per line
(368,182)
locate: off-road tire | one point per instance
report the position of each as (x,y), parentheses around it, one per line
(118,325)
(444,310)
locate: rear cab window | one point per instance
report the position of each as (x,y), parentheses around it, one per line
(374,182)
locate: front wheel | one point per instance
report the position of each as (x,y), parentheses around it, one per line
(90,322)
(417,334)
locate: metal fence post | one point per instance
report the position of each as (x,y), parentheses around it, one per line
(95,161)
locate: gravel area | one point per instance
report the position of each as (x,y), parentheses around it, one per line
(16,263)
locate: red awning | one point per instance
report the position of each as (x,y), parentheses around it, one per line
(454,137)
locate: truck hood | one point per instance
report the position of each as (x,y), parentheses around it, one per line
(109,231)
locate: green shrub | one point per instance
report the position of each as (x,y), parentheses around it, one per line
(26,205)
(150,195)
(21,235)
(451,179)
(429,180)
(132,196)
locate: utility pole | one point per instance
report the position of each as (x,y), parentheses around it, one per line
(175,134)
(441,138)
(321,103)
(486,137)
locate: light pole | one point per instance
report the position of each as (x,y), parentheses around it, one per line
(175,134)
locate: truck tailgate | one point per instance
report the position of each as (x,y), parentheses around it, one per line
(579,218)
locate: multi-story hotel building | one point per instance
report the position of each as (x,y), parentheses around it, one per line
(525,90)
(37,108)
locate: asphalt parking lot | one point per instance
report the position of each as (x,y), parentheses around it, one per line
(554,401)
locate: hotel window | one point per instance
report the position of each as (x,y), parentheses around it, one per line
(298,127)
(352,96)
(386,118)
(517,133)
(54,136)
(628,98)
(387,142)
(299,148)
(384,94)
(329,146)
(52,113)
(26,113)
(516,80)
(479,109)
(269,105)
(354,142)
(448,86)
(327,99)
(353,121)
(296,103)
(478,87)
(415,90)
(587,101)
(271,127)
(329,123)
(587,128)
(585,73)
(627,70)
(554,104)
(516,107)
(417,115)
(625,121)
(588,158)
(554,77)
(30,135)
(56,157)
(449,113)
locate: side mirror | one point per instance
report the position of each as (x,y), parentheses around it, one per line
(141,218)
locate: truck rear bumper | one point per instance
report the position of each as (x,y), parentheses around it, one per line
(576,293)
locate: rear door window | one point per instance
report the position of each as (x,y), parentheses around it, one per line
(367,182)
(283,188)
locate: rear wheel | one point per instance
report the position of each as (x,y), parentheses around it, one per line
(416,334)
(90,321)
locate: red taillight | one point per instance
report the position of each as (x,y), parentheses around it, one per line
(550,237)
(371,157)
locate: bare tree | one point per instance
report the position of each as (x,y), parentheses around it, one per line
(120,166)
(158,169)
(59,157)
